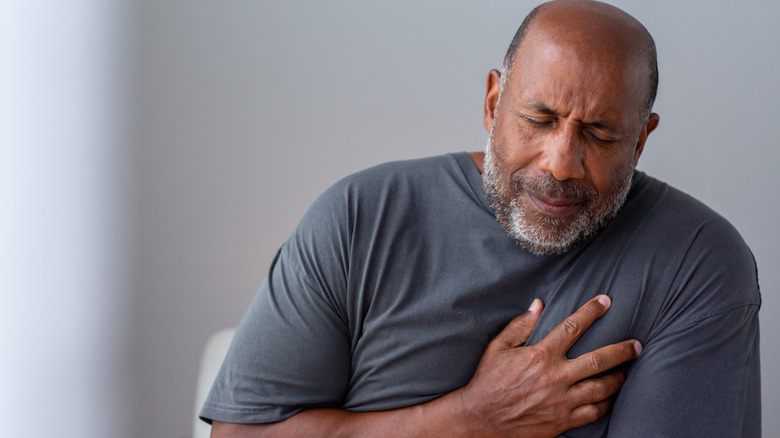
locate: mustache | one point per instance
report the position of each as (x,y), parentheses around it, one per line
(550,187)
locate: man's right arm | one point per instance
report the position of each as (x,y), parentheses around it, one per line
(533,391)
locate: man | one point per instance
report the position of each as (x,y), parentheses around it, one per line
(377,315)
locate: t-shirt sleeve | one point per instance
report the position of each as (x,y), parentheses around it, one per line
(291,350)
(699,372)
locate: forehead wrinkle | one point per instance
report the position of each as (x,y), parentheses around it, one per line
(566,102)
(599,120)
(539,106)
(557,78)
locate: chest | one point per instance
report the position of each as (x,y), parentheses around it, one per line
(420,325)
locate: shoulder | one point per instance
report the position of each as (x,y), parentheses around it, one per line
(709,266)
(390,184)
(355,205)
(659,203)
(676,220)
(394,172)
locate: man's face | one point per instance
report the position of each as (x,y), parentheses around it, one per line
(563,143)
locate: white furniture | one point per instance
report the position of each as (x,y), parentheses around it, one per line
(210,361)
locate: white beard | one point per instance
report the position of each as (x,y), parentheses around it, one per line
(548,235)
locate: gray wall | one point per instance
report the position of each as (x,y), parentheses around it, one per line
(246,111)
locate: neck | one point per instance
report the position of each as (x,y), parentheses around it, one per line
(479,159)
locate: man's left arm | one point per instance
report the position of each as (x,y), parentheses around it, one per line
(699,380)
(699,374)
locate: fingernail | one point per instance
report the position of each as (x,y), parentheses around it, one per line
(637,348)
(534,305)
(604,300)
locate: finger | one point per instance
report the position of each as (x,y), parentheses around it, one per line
(586,414)
(519,329)
(599,389)
(562,337)
(603,359)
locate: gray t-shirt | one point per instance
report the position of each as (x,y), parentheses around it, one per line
(397,277)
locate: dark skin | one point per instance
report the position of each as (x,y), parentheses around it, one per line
(572,107)
(518,390)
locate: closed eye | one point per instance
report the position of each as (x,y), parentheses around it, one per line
(599,139)
(538,123)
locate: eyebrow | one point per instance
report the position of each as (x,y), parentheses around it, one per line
(541,107)
(599,125)
(538,105)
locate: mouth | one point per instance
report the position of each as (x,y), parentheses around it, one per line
(554,207)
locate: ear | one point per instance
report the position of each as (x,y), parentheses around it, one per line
(491,98)
(652,123)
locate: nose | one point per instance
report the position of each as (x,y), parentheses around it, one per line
(563,155)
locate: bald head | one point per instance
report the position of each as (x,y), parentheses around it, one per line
(596,31)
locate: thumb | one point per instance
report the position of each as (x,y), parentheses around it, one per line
(519,329)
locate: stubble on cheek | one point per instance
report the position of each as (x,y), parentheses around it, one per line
(540,233)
